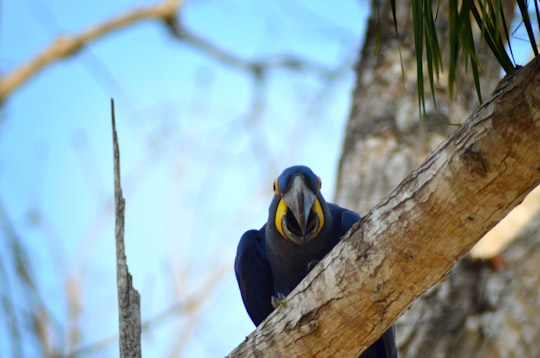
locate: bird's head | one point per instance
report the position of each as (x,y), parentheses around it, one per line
(298,206)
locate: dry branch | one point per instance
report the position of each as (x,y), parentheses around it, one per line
(165,12)
(129,306)
(68,45)
(410,242)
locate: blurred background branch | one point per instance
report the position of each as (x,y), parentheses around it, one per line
(67,46)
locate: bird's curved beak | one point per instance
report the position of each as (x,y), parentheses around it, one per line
(300,215)
(299,199)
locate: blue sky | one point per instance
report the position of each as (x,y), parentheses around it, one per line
(197,165)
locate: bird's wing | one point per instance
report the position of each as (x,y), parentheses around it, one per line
(384,347)
(342,220)
(254,275)
(348,219)
(389,341)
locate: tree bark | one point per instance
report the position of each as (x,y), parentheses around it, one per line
(129,299)
(413,238)
(481,311)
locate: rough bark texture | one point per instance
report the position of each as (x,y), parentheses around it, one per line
(481,310)
(411,241)
(129,301)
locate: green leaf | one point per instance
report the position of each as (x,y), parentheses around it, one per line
(490,23)
(490,18)
(433,50)
(418,30)
(523,9)
(393,6)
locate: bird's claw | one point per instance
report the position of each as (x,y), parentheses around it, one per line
(312,264)
(279,300)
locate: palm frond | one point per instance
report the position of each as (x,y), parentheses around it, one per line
(426,38)
(469,51)
(461,39)
(433,49)
(393,7)
(523,9)
(418,29)
(490,18)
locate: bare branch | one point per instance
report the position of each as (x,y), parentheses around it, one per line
(69,45)
(129,310)
(165,12)
(257,67)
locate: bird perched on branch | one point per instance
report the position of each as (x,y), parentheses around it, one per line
(301,229)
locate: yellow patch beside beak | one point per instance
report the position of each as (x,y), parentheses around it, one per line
(317,209)
(280,212)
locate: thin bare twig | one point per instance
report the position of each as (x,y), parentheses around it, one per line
(20,301)
(257,67)
(129,305)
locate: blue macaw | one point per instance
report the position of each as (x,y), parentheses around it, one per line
(301,229)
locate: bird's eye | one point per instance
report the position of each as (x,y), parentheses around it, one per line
(319,182)
(276,190)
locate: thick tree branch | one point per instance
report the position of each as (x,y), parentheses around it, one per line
(68,45)
(485,309)
(129,305)
(410,242)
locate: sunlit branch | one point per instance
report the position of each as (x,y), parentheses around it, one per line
(67,46)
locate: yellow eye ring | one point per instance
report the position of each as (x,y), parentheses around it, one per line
(319,182)
(276,189)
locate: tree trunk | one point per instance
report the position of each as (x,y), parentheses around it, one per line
(386,139)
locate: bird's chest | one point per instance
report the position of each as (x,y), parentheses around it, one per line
(291,264)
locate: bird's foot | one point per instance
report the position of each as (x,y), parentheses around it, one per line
(279,300)
(312,264)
